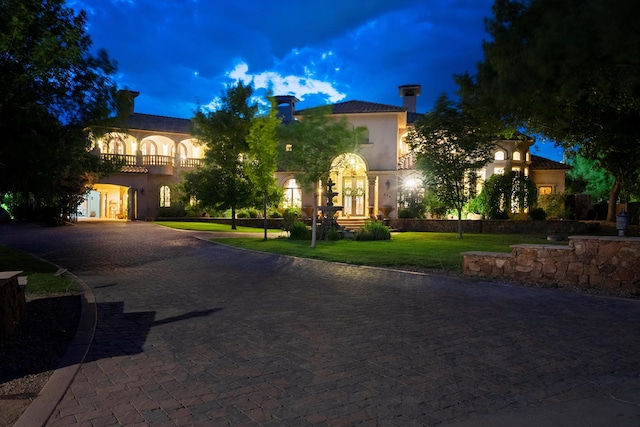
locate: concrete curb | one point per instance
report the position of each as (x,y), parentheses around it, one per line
(41,409)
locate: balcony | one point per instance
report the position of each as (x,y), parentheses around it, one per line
(155,163)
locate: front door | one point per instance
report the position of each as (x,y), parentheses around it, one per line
(353,190)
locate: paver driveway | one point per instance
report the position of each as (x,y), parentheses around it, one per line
(192,333)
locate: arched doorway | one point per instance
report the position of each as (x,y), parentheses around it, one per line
(349,172)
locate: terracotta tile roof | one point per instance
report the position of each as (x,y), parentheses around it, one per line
(541,163)
(141,121)
(134,169)
(354,107)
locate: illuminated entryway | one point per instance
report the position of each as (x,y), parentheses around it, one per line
(105,201)
(349,172)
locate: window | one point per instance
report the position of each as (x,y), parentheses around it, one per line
(545,189)
(148,148)
(517,156)
(498,171)
(165,196)
(500,155)
(292,195)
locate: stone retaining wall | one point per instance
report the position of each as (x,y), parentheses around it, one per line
(12,302)
(608,263)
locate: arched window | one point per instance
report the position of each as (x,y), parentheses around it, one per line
(292,195)
(500,155)
(517,156)
(115,146)
(165,196)
(148,148)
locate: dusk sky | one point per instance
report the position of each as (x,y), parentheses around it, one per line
(181,54)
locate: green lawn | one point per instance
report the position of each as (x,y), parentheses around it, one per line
(421,250)
(210,226)
(40,273)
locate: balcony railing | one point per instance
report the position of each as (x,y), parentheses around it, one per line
(126,159)
(152,160)
(156,160)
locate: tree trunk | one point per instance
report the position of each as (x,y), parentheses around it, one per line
(459,223)
(613,199)
(264,213)
(233,217)
(314,225)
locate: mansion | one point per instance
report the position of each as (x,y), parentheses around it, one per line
(157,150)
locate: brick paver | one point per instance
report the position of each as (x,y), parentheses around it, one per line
(191,333)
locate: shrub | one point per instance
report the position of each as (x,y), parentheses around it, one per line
(334,234)
(274,214)
(299,231)
(554,206)
(175,211)
(373,230)
(537,214)
(242,214)
(406,213)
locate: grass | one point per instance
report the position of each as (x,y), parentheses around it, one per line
(441,251)
(210,226)
(40,273)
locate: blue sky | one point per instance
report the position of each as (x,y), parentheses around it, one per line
(181,54)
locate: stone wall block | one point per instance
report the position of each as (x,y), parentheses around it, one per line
(611,263)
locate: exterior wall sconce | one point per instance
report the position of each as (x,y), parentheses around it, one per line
(387,184)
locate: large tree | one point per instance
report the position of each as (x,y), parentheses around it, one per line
(53,89)
(450,148)
(222,182)
(312,145)
(569,70)
(263,157)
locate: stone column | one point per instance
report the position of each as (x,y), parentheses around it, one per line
(372,195)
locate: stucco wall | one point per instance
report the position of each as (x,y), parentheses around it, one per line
(607,263)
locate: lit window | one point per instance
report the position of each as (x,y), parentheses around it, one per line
(498,171)
(517,156)
(545,189)
(499,155)
(165,196)
(292,195)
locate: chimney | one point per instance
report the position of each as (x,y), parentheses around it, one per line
(409,93)
(126,102)
(286,107)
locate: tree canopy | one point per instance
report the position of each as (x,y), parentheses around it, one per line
(53,89)
(569,70)
(223,181)
(450,148)
(262,156)
(312,145)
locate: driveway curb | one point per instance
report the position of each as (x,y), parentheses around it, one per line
(41,409)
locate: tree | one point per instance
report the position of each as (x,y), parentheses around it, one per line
(263,156)
(222,182)
(569,70)
(586,176)
(450,147)
(501,192)
(53,90)
(310,147)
